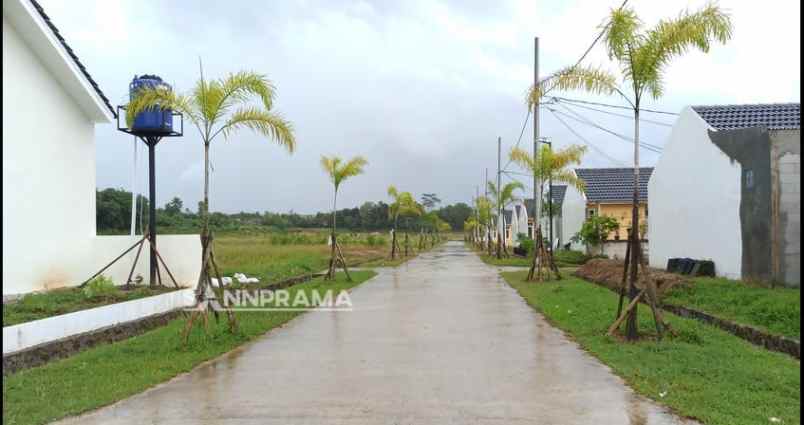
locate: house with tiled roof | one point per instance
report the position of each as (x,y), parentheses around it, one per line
(51,105)
(727,189)
(608,192)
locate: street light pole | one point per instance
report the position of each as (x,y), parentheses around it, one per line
(550,199)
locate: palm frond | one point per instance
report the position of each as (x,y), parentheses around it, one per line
(263,122)
(586,78)
(149,98)
(522,158)
(239,86)
(621,33)
(338,170)
(674,37)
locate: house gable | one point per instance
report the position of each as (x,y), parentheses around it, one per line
(42,37)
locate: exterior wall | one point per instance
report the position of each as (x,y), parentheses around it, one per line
(616,249)
(182,253)
(786,205)
(30,334)
(573,214)
(49,186)
(694,204)
(622,213)
(48,174)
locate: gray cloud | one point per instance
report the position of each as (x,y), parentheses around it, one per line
(421,88)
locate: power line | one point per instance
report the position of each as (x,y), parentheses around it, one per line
(584,140)
(519,140)
(609,105)
(616,114)
(527,186)
(599,36)
(580,118)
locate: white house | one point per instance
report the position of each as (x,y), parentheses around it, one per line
(727,188)
(515,220)
(51,105)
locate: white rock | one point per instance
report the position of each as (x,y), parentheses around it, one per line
(226,280)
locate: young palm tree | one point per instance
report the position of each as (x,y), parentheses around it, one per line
(221,108)
(338,171)
(483,205)
(502,198)
(404,204)
(552,164)
(643,56)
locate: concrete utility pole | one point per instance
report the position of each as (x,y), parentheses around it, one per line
(537,200)
(500,226)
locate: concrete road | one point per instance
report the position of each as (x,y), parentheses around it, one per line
(439,340)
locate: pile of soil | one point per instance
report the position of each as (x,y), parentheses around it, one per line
(609,273)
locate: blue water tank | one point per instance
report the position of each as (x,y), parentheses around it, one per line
(155,120)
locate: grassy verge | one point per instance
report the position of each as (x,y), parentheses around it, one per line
(777,310)
(563,258)
(105,374)
(704,373)
(67,300)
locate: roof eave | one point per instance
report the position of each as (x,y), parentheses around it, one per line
(27,21)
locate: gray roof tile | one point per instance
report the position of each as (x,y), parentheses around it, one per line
(774,116)
(614,184)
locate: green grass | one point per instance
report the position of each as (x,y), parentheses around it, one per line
(563,258)
(258,256)
(105,374)
(708,374)
(777,310)
(67,300)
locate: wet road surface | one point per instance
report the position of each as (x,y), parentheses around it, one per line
(439,340)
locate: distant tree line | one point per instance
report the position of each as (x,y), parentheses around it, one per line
(114,216)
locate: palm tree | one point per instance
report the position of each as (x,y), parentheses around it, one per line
(404,204)
(221,108)
(552,165)
(502,198)
(338,171)
(643,56)
(483,206)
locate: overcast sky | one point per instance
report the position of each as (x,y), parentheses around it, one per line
(421,88)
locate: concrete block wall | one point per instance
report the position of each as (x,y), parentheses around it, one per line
(790,212)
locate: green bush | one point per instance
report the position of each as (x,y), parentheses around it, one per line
(568,256)
(526,244)
(99,287)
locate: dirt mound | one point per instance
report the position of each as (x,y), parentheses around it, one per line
(610,274)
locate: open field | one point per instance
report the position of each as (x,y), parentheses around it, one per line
(703,373)
(105,374)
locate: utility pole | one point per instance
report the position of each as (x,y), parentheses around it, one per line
(537,201)
(500,225)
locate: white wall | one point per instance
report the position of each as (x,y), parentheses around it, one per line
(49,184)
(48,173)
(573,215)
(30,334)
(694,200)
(182,253)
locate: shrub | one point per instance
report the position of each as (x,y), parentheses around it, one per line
(99,287)
(527,245)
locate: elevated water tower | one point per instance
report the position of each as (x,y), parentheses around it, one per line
(151,126)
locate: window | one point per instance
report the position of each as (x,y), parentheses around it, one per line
(590,212)
(749,179)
